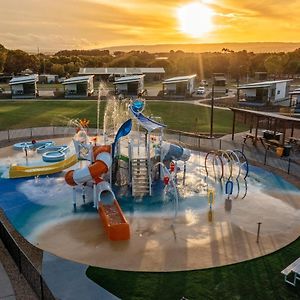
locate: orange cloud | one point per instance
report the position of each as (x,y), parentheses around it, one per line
(55,24)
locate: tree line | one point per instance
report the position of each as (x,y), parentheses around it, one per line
(236,65)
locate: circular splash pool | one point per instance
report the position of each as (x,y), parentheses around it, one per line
(41,210)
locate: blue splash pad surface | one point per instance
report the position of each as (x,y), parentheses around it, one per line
(30,203)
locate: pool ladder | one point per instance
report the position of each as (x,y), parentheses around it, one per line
(140,178)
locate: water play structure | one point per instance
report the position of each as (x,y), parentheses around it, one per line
(16,171)
(159,204)
(126,159)
(56,155)
(133,156)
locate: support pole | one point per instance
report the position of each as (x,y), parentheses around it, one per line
(251,124)
(233,126)
(256,129)
(184,173)
(212,110)
(283,133)
(74,198)
(83,193)
(95,195)
(258,232)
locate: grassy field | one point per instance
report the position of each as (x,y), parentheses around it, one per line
(179,116)
(256,279)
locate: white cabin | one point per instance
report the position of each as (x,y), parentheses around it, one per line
(24,87)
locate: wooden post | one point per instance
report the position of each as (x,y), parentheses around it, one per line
(233,126)
(256,129)
(292,132)
(251,124)
(283,133)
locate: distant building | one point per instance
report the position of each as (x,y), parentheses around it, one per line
(219,81)
(295,100)
(79,87)
(261,75)
(48,78)
(129,85)
(5,78)
(24,87)
(263,93)
(113,73)
(179,86)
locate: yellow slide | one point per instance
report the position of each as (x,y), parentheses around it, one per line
(22,171)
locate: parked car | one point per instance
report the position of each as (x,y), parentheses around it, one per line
(1,90)
(200,90)
(204,82)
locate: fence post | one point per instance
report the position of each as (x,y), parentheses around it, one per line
(179,137)
(31,132)
(243,147)
(220,144)
(289,166)
(258,232)
(42,287)
(265,158)
(53,130)
(8,135)
(199,142)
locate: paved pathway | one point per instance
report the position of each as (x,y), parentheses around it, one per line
(67,280)
(6,290)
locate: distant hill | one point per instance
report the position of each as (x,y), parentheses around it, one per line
(262,47)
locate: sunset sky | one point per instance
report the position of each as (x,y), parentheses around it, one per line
(85,24)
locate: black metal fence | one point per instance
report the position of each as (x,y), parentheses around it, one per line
(32,275)
(288,164)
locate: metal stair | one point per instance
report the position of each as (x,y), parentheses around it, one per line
(140,178)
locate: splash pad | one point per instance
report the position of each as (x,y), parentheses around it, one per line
(195,231)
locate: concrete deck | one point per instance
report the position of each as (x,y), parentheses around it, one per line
(193,241)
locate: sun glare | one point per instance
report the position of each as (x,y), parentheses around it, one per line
(195,19)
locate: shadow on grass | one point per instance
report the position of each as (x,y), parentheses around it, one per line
(259,278)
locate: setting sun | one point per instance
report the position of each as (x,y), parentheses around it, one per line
(195,19)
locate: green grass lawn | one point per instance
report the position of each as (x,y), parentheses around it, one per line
(178,116)
(256,279)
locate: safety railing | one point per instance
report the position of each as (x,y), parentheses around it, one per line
(288,164)
(25,266)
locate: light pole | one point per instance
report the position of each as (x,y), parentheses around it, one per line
(212,109)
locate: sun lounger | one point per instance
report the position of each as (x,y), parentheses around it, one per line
(294,270)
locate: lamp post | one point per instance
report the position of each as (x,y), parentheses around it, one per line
(212,109)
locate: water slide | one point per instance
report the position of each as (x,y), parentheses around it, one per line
(110,212)
(113,219)
(27,171)
(102,162)
(146,122)
(174,152)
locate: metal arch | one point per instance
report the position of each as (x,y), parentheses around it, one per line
(229,160)
(246,160)
(246,188)
(205,161)
(222,165)
(238,188)
(232,153)
(216,155)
